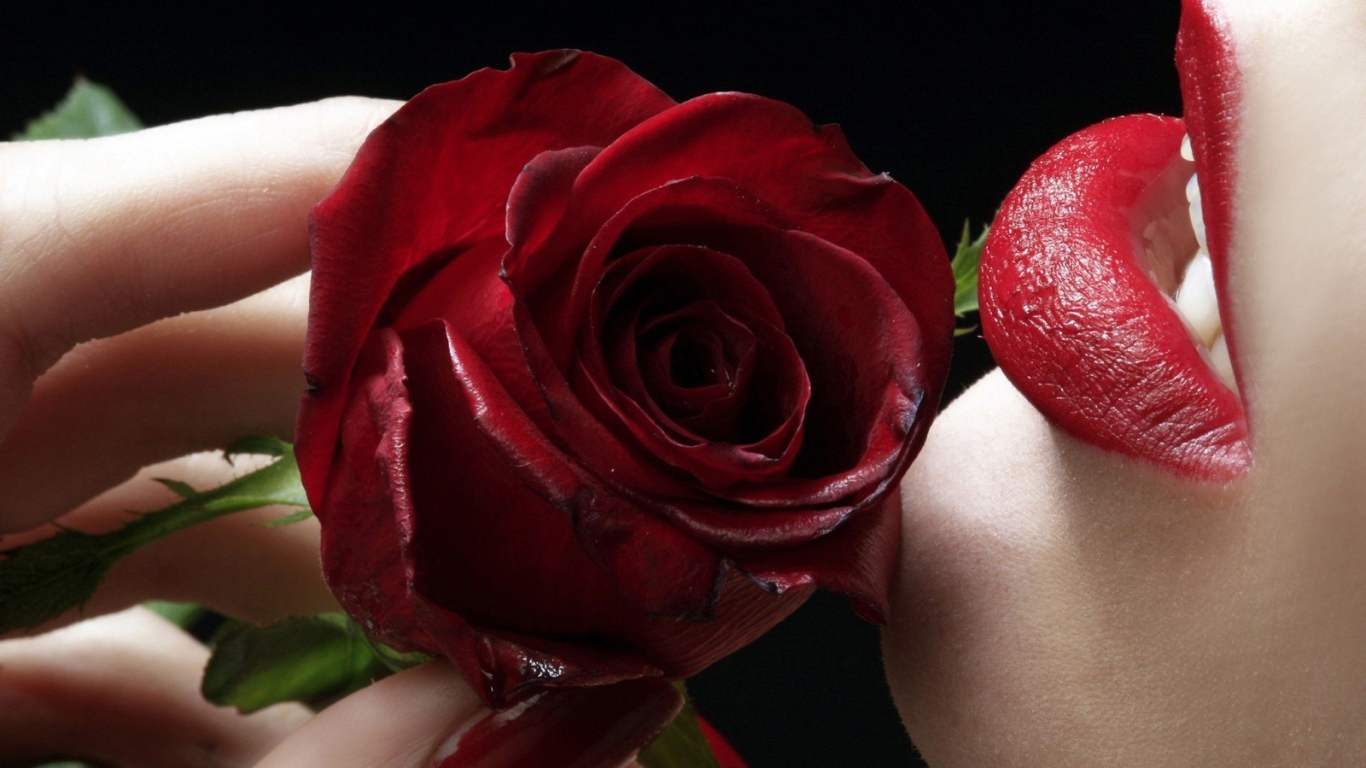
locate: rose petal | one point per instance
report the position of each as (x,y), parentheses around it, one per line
(807,174)
(620,400)
(368,503)
(696,369)
(444,150)
(564,551)
(472,298)
(580,434)
(747,609)
(504,667)
(857,560)
(690,277)
(686,212)
(541,192)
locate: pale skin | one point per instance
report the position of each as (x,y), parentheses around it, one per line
(1057,605)
(99,240)
(1063,606)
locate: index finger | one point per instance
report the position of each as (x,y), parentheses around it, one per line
(101,236)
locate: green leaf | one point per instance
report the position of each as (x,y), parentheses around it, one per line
(311,659)
(289,519)
(682,744)
(89,110)
(183,615)
(181,489)
(258,445)
(42,580)
(965,262)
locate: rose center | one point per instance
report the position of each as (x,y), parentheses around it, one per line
(695,360)
(696,364)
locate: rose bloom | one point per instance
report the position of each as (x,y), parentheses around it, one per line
(602,386)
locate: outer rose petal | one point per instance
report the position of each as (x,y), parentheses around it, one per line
(369,503)
(858,559)
(433,178)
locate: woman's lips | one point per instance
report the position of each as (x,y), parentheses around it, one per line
(1084,252)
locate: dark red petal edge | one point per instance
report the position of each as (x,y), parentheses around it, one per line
(857,560)
(598,727)
(725,754)
(361,527)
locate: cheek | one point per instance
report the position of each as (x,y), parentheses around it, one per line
(1032,562)
(977,569)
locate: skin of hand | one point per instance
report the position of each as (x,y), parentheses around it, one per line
(1060,605)
(152,305)
(99,241)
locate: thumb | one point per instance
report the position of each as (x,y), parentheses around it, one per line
(428,717)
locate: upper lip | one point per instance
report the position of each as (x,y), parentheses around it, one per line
(1067,304)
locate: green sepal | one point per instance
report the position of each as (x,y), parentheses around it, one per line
(965,263)
(89,110)
(681,744)
(183,615)
(43,580)
(314,660)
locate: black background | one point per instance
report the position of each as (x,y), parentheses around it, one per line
(953,99)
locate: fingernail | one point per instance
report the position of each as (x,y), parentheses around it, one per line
(596,727)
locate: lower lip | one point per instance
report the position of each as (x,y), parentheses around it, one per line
(1074,309)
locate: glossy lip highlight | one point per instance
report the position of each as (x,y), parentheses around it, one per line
(1070,278)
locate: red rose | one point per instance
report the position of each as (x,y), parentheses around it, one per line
(603,385)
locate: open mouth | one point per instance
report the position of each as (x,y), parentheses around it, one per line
(1196,297)
(1103,279)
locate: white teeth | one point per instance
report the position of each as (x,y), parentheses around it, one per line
(1223,364)
(1197,300)
(1186,152)
(1193,189)
(1197,215)
(1198,226)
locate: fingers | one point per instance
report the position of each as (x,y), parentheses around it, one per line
(185,384)
(234,565)
(399,722)
(98,237)
(429,717)
(124,690)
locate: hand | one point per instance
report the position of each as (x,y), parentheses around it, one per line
(101,240)
(1061,605)
(111,240)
